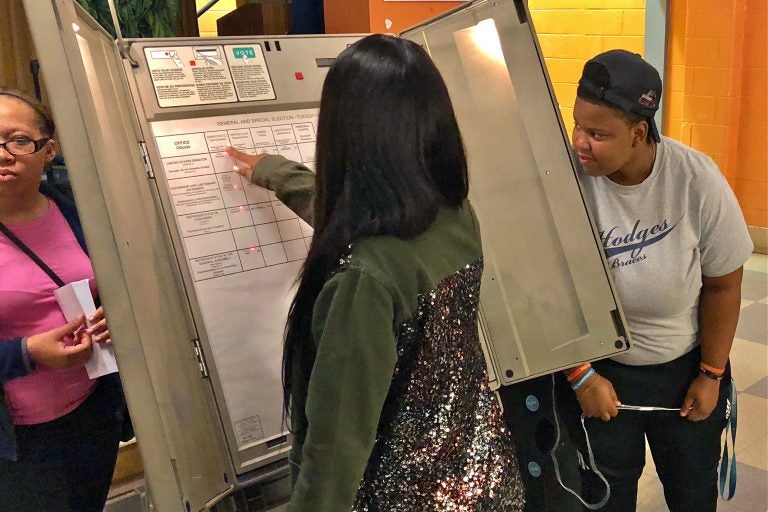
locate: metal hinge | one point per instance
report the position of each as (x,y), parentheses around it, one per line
(200,358)
(145,160)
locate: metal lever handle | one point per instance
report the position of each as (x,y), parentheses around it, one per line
(645,408)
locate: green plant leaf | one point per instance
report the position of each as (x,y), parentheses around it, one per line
(138,18)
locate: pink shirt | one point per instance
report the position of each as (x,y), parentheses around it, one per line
(28,306)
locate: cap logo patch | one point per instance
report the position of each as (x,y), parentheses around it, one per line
(648,99)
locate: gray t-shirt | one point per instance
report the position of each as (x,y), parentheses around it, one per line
(660,237)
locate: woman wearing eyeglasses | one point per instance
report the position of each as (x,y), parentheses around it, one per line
(59,430)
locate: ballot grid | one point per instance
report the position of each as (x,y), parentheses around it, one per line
(228,225)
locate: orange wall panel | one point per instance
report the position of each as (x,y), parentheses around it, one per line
(754,111)
(755,217)
(716,72)
(699,109)
(363,16)
(752,196)
(346,16)
(675,105)
(707,22)
(395,17)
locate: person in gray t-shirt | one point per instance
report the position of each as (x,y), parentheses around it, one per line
(675,240)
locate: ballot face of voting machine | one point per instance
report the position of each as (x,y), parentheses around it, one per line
(196,267)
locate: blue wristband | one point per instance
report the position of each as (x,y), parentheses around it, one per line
(584,378)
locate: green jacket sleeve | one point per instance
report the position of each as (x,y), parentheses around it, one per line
(356,356)
(292,183)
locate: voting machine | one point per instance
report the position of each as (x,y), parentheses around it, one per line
(196,268)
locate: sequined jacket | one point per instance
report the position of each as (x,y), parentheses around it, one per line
(397,414)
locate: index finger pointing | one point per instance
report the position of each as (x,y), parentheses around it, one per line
(237,154)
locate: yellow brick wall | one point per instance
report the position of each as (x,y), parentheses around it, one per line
(207,22)
(572,31)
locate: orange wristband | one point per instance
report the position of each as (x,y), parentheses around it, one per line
(712,369)
(578,372)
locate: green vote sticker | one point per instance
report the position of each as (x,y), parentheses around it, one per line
(244,53)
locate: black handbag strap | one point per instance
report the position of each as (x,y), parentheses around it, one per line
(29,252)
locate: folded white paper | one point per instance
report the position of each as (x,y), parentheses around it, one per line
(75,299)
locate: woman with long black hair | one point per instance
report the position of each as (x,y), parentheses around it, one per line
(383,369)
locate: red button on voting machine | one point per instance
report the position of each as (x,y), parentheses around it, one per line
(299,76)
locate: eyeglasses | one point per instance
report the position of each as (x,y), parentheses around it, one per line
(24,146)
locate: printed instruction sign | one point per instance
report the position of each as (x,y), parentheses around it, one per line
(244,250)
(205,75)
(249,72)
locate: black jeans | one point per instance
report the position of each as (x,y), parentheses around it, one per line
(529,414)
(686,453)
(65,465)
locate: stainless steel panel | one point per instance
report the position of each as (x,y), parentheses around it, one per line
(239,326)
(132,260)
(547,300)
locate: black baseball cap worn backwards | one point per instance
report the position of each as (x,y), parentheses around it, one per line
(624,80)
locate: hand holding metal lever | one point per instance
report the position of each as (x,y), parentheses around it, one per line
(645,408)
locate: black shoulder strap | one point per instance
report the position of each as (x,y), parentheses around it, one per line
(29,252)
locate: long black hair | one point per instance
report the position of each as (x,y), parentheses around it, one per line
(389,155)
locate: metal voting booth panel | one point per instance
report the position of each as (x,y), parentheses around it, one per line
(239,248)
(547,300)
(195,267)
